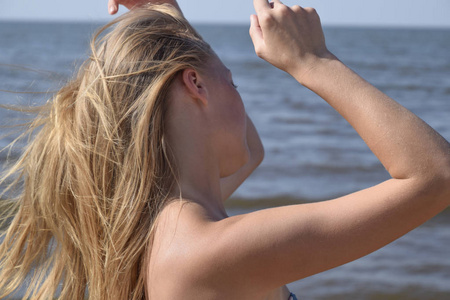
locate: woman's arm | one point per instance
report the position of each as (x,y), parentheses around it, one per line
(229,184)
(113,5)
(407,146)
(272,247)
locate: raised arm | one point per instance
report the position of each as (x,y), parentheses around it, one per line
(272,247)
(407,147)
(113,5)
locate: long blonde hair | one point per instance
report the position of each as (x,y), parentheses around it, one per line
(94,178)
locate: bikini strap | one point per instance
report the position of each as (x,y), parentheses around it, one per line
(292,297)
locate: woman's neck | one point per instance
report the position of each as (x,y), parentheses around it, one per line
(198,175)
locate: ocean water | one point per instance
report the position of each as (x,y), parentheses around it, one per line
(312,154)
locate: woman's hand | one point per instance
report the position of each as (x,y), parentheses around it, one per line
(113,5)
(290,38)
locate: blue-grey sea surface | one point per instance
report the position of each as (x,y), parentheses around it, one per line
(312,154)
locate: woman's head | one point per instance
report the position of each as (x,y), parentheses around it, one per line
(141,61)
(98,171)
(206,119)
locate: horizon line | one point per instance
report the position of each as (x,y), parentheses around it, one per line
(236,23)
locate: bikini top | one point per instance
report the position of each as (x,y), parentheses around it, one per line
(292,297)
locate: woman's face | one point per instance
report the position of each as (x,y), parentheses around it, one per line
(228,118)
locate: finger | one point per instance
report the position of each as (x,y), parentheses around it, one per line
(296,8)
(255,28)
(256,33)
(113,7)
(260,5)
(310,10)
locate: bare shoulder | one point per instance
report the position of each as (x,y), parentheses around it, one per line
(208,258)
(196,251)
(183,246)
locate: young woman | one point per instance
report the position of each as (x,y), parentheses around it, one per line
(124,184)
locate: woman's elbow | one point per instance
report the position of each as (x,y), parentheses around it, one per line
(446,181)
(258,155)
(439,183)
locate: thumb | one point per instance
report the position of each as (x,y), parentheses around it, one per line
(256,32)
(113,7)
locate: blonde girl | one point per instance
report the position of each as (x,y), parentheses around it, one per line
(121,190)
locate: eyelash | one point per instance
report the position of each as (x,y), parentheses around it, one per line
(235,86)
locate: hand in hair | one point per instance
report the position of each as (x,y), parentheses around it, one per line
(113,5)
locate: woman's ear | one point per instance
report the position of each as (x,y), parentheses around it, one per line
(195,85)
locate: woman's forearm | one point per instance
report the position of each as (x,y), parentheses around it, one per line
(405,145)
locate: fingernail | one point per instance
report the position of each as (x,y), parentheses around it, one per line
(112,9)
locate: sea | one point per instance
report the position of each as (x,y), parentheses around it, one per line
(312,153)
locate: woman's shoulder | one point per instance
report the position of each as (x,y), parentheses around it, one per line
(182,231)
(184,248)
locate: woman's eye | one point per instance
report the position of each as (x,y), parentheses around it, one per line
(235,86)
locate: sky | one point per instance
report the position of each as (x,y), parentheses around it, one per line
(409,13)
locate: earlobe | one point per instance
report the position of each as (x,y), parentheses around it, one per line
(195,85)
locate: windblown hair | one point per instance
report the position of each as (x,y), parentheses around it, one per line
(97,172)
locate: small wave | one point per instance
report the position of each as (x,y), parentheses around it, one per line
(343,169)
(407,87)
(293,120)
